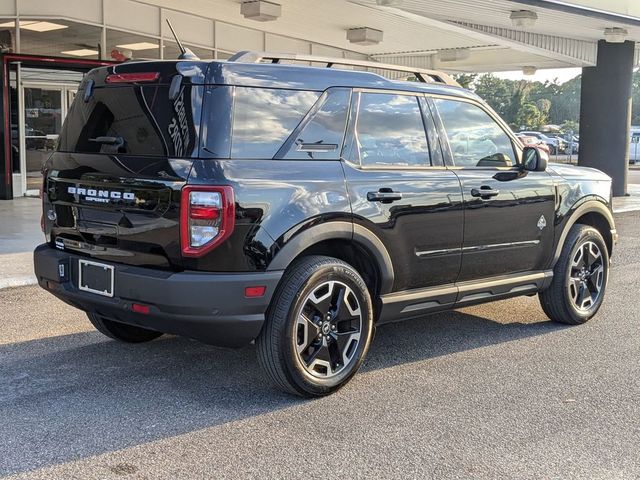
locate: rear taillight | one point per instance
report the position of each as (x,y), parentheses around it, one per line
(207,218)
(132,77)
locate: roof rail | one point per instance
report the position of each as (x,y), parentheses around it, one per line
(422,74)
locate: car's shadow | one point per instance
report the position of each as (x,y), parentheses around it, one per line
(73,396)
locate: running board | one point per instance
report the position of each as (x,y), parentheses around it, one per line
(414,303)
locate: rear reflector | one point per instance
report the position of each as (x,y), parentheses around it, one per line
(253,292)
(139,308)
(133,77)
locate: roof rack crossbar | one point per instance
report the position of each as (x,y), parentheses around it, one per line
(422,74)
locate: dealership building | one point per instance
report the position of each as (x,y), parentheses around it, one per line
(47,46)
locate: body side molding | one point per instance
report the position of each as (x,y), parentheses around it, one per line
(415,303)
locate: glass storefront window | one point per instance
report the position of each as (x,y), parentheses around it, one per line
(59,38)
(123,46)
(171,51)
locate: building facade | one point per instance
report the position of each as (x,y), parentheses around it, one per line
(47,46)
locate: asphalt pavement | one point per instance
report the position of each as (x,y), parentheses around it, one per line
(494,391)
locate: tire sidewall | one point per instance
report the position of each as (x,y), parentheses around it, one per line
(300,375)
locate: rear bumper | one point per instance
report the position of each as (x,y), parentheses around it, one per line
(210,307)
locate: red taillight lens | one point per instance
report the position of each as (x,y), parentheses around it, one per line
(132,77)
(207,218)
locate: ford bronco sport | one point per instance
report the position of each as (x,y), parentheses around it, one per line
(299,207)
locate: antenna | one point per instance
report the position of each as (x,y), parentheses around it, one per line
(185,53)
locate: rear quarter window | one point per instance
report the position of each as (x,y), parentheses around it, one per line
(263,118)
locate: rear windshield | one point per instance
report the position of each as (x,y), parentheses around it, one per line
(134,120)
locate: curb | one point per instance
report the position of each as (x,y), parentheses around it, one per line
(18,281)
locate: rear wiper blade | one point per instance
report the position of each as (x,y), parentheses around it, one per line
(108,140)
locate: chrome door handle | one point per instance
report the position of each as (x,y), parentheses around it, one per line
(484,192)
(384,196)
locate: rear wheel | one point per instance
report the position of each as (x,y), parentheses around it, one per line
(579,278)
(120,331)
(318,328)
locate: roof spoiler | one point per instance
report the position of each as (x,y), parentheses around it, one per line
(422,74)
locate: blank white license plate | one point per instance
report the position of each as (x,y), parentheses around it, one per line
(95,277)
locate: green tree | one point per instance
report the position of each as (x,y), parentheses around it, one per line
(465,79)
(529,116)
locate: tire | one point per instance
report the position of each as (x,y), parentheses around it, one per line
(318,329)
(120,331)
(573,283)
(552,150)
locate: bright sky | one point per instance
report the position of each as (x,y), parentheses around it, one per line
(550,74)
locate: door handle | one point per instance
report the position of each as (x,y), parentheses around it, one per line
(384,195)
(484,192)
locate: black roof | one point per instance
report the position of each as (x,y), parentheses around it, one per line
(273,75)
(270,75)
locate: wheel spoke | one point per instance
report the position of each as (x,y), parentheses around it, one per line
(582,294)
(321,298)
(593,254)
(578,259)
(574,288)
(345,343)
(306,332)
(597,275)
(321,358)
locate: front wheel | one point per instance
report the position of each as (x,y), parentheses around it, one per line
(579,278)
(318,328)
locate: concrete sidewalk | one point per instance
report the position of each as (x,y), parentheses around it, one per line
(20,234)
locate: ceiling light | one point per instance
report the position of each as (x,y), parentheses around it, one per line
(523,18)
(529,70)
(453,54)
(82,52)
(615,35)
(41,26)
(138,46)
(389,3)
(364,35)
(260,10)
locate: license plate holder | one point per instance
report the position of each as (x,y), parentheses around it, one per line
(94,277)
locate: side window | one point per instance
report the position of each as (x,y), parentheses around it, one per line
(389,131)
(321,136)
(264,118)
(476,140)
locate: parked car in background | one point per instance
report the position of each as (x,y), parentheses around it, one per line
(556,145)
(634,148)
(529,141)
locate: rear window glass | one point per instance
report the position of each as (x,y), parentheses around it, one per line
(134,120)
(264,118)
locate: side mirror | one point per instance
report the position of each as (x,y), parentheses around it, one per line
(535,159)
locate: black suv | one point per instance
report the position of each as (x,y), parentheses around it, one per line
(300,207)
